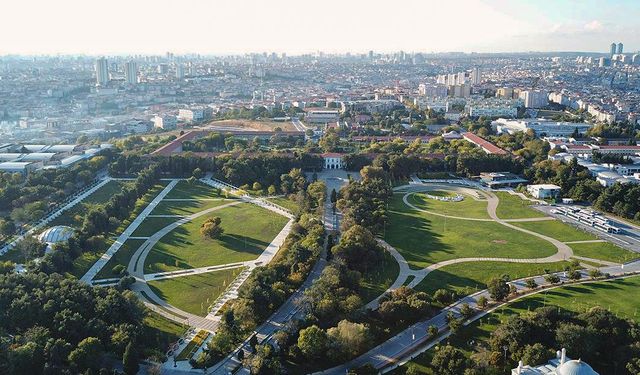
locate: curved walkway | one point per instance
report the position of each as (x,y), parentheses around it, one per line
(563,253)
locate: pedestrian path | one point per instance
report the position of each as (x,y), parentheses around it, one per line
(100,263)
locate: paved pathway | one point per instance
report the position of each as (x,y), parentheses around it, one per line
(97,266)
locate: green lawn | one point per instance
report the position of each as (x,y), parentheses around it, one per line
(158,333)
(187,207)
(613,295)
(376,281)
(285,202)
(424,239)
(122,256)
(468,207)
(604,251)
(467,278)
(248,230)
(82,263)
(514,207)
(151,225)
(196,190)
(195,293)
(74,216)
(556,229)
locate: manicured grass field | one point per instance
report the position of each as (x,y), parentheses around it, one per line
(196,190)
(613,295)
(467,278)
(604,251)
(195,293)
(424,239)
(556,229)
(159,332)
(151,225)
(122,256)
(248,229)
(82,263)
(376,281)
(186,207)
(514,207)
(285,202)
(468,207)
(74,216)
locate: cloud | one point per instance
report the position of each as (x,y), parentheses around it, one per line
(594,25)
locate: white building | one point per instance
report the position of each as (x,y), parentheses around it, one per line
(544,191)
(102,71)
(165,122)
(131,72)
(539,126)
(534,99)
(332,160)
(191,115)
(561,365)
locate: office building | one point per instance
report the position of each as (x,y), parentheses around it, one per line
(612,51)
(620,48)
(102,71)
(475,76)
(131,72)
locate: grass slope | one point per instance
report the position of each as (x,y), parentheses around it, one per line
(195,293)
(376,281)
(556,229)
(122,256)
(468,207)
(248,229)
(196,190)
(514,207)
(186,207)
(604,251)
(424,239)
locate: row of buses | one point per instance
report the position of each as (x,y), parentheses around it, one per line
(588,217)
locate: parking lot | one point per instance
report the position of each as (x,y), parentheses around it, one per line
(628,238)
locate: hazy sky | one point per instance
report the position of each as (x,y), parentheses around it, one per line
(298,26)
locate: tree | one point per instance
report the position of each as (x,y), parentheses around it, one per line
(574,275)
(351,338)
(442,296)
(552,278)
(432,332)
(531,283)
(7,227)
(536,353)
(482,302)
(271,190)
(595,273)
(466,311)
(334,196)
(130,359)
(211,228)
(498,288)
(257,186)
(30,248)
(449,361)
(313,342)
(87,354)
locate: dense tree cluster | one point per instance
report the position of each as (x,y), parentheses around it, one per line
(265,168)
(54,325)
(365,202)
(24,199)
(99,221)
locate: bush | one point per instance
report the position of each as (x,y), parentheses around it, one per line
(118,269)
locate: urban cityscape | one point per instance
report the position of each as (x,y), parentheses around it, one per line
(255,192)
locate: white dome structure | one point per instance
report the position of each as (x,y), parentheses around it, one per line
(575,367)
(56,234)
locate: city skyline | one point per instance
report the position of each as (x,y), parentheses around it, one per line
(226,27)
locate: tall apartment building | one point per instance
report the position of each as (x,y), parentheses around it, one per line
(131,72)
(102,71)
(534,99)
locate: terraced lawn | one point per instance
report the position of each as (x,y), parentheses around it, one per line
(467,278)
(424,239)
(74,216)
(285,202)
(151,225)
(468,207)
(194,294)
(604,251)
(556,229)
(248,229)
(195,190)
(122,256)
(186,207)
(159,332)
(514,207)
(613,295)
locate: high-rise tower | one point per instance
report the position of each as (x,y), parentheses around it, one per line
(102,71)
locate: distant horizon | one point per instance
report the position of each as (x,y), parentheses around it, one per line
(236,27)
